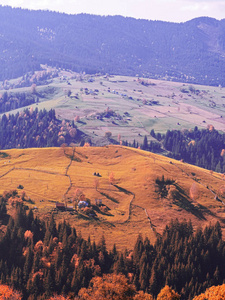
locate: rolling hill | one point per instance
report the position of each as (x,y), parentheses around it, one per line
(148,190)
(127,106)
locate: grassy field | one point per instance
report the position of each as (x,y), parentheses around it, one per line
(136,204)
(161,105)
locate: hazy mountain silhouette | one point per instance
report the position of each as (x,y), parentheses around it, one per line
(193,51)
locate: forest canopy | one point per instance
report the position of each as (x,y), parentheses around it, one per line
(40,258)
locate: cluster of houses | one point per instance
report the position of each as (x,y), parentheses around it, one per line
(81,205)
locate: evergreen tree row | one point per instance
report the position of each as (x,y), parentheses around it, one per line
(204,148)
(11,101)
(33,128)
(201,147)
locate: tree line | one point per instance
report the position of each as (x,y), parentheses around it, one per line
(39,258)
(201,147)
(11,101)
(34,128)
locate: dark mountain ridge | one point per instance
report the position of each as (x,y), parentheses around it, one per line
(193,51)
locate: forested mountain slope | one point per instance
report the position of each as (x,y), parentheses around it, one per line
(192,51)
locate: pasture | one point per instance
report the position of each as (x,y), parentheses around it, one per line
(133,204)
(140,105)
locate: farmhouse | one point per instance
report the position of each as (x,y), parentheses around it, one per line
(60,206)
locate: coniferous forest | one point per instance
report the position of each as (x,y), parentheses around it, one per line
(204,148)
(201,147)
(39,258)
(33,128)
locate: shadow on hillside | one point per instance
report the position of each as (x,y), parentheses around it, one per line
(209,212)
(85,217)
(82,122)
(109,197)
(73,157)
(182,201)
(122,189)
(102,212)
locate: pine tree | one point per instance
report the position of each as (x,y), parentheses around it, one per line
(145,143)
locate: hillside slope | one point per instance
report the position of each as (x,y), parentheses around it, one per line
(148,190)
(126,106)
(191,51)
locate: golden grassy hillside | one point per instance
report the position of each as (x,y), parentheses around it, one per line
(136,203)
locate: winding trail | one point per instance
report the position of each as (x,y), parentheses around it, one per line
(66,173)
(7,172)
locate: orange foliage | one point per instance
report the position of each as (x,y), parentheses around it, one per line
(111,178)
(14,201)
(86,145)
(210,127)
(57,297)
(38,246)
(194,191)
(73,132)
(191,143)
(168,294)
(108,287)
(78,194)
(7,293)
(213,293)
(33,88)
(75,260)
(28,235)
(143,296)
(96,183)
(77,119)
(112,287)
(222,152)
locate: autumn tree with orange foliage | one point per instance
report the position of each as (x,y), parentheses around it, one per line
(213,293)
(7,293)
(108,287)
(142,296)
(58,297)
(112,287)
(87,144)
(168,294)
(78,196)
(222,152)
(194,191)
(210,127)
(96,183)
(111,178)
(33,88)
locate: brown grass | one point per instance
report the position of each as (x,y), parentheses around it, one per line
(133,204)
